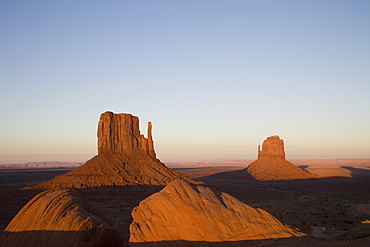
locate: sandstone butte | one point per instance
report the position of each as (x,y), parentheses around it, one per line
(187,212)
(272,165)
(125,157)
(59,218)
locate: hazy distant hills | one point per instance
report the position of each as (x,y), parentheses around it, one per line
(47,164)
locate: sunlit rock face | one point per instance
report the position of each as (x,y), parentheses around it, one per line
(272,165)
(119,133)
(187,212)
(272,147)
(125,157)
(59,218)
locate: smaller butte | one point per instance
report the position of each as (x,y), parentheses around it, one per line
(272,165)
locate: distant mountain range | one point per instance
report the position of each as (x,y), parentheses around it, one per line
(47,164)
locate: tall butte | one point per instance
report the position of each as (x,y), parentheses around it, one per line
(120,134)
(125,157)
(272,165)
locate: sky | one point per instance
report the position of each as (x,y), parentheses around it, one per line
(215,77)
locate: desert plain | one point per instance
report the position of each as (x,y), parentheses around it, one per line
(329,209)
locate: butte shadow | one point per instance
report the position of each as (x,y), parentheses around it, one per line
(230,175)
(358,172)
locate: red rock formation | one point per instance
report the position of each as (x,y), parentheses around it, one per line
(119,133)
(272,165)
(125,157)
(115,170)
(59,218)
(182,211)
(272,147)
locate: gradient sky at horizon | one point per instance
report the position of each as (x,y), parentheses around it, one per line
(214,77)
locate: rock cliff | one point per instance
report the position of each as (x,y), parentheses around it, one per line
(125,157)
(182,211)
(59,218)
(272,147)
(119,133)
(272,165)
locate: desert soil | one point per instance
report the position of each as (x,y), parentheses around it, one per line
(337,204)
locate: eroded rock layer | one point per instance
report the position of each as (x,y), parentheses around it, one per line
(272,165)
(59,218)
(182,211)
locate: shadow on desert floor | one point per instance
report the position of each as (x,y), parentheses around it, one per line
(304,167)
(60,238)
(30,176)
(45,238)
(357,172)
(283,242)
(232,175)
(243,243)
(117,203)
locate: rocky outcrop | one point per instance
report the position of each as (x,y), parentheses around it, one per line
(119,133)
(125,157)
(59,218)
(272,147)
(272,165)
(183,211)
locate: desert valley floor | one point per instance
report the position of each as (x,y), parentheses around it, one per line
(339,200)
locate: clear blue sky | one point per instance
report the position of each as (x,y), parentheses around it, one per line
(215,77)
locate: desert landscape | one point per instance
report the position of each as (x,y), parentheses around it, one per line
(184,123)
(125,196)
